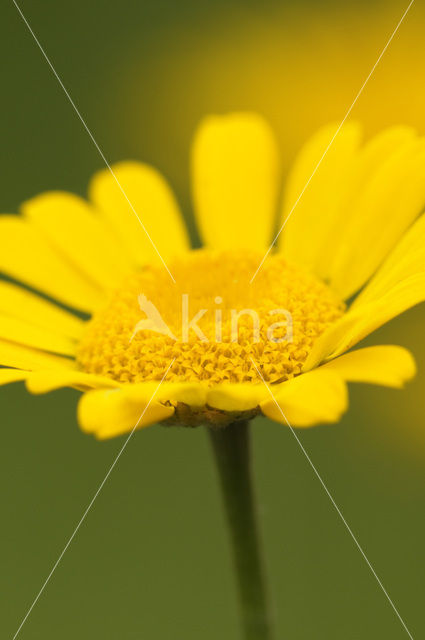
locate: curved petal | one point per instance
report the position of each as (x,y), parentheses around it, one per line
(109,413)
(21,357)
(17,302)
(357,204)
(44,381)
(397,286)
(49,380)
(24,333)
(237,397)
(193,394)
(26,256)
(316,191)
(153,210)
(405,261)
(306,400)
(365,169)
(71,225)
(392,199)
(235,181)
(387,365)
(365,318)
(12,375)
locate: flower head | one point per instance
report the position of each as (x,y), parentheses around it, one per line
(222,320)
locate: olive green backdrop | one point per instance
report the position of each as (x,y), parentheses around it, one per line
(151,560)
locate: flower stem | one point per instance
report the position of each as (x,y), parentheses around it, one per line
(232,453)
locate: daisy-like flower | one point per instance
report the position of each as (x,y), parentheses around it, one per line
(351,257)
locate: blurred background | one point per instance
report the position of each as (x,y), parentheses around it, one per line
(152,560)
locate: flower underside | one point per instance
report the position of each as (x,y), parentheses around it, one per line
(217,282)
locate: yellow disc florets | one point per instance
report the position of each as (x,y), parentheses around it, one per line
(149,321)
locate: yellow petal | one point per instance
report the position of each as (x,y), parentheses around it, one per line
(22,332)
(12,375)
(50,380)
(15,355)
(387,365)
(235,181)
(17,302)
(71,225)
(236,397)
(365,318)
(386,207)
(367,163)
(108,413)
(316,210)
(153,207)
(405,261)
(25,255)
(311,398)
(192,394)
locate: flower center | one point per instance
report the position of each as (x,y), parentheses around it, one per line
(213,322)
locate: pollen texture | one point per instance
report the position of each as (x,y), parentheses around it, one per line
(147,322)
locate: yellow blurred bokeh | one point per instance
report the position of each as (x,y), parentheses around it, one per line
(300,68)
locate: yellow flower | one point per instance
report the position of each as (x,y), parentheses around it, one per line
(355,230)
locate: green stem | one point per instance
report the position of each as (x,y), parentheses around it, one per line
(232,453)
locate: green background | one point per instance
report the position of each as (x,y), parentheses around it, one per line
(152,560)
